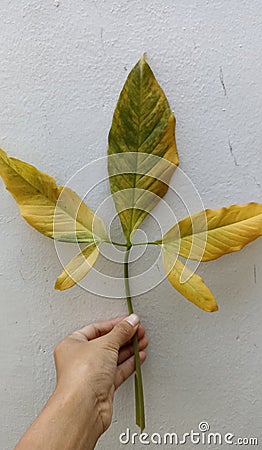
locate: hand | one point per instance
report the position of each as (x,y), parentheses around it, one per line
(91,364)
(94,361)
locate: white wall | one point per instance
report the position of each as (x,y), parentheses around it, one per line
(62,67)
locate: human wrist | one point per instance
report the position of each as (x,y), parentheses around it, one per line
(82,408)
(66,422)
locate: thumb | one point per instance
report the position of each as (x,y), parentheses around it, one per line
(123,331)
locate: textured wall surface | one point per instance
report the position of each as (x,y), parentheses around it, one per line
(62,67)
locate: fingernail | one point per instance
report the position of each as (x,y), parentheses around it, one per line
(133,319)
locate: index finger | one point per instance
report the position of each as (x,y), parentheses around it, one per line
(98,329)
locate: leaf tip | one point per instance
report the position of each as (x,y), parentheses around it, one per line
(61,283)
(57,286)
(213,307)
(143,57)
(3,155)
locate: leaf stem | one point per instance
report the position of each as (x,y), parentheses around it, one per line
(116,243)
(139,395)
(133,245)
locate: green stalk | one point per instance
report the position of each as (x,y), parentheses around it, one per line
(134,244)
(139,395)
